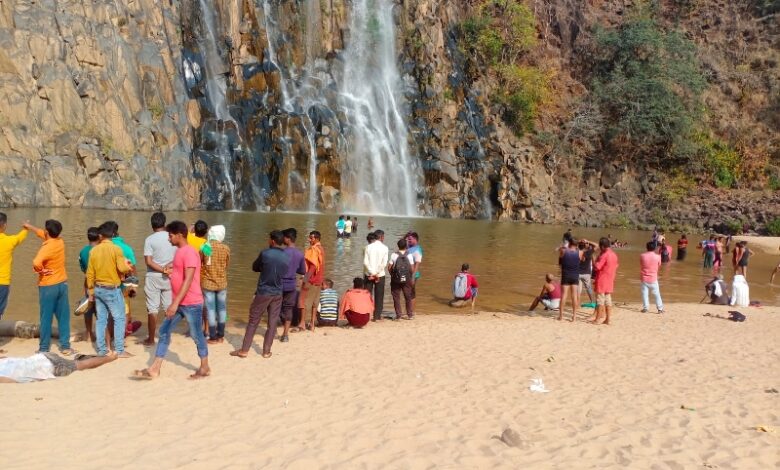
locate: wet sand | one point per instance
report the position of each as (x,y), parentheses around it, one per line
(437,391)
(768,245)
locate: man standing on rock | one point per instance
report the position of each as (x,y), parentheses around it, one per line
(604,270)
(272,265)
(8,244)
(375,259)
(158,253)
(187,304)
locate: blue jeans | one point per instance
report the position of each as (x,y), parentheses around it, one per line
(54,303)
(194,316)
(109,301)
(4,291)
(656,292)
(216,306)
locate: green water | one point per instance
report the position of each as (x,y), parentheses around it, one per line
(509,259)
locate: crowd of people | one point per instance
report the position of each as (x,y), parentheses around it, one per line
(579,271)
(186,279)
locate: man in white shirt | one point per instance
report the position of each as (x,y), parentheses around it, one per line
(375,259)
(347,227)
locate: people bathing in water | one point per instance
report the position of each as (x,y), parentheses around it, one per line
(682,247)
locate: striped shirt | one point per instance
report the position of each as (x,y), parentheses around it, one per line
(329,305)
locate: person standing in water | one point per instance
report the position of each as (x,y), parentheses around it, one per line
(682,247)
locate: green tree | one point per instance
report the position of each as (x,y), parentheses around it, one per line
(648,83)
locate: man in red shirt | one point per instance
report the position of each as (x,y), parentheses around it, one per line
(357,304)
(649,263)
(467,283)
(604,271)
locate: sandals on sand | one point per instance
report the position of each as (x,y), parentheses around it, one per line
(238,353)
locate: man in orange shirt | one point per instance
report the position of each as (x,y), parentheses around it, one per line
(49,263)
(357,306)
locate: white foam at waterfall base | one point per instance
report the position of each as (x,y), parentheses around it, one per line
(381,172)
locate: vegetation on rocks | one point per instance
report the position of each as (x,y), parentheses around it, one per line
(499,34)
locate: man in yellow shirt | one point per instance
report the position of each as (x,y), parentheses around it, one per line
(105,270)
(8,244)
(49,263)
(196,237)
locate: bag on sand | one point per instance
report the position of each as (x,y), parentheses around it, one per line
(402,270)
(736,316)
(460,286)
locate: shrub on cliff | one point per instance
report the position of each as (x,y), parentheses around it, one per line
(648,83)
(524,88)
(500,31)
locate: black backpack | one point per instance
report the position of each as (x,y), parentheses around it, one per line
(402,270)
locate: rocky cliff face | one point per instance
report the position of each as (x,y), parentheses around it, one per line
(94,112)
(257,104)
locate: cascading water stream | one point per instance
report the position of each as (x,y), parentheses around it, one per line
(381,174)
(216,94)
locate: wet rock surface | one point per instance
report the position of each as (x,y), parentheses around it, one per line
(151,104)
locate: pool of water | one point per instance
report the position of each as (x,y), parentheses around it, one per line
(509,259)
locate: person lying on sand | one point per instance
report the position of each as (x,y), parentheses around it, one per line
(44,366)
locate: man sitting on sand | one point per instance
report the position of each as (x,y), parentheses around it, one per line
(44,366)
(357,304)
(716,290)
(550,296)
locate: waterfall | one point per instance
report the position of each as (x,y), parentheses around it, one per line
(380,175)
(216,94)
(300,94)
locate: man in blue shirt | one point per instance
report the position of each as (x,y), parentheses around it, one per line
(296,265)
(272,265)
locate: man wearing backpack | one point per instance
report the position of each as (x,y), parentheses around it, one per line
(401,269)
(464,288)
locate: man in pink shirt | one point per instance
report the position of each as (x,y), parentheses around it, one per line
(187,303)
(604,271)
(649,262)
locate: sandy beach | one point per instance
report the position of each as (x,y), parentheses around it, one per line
(768,245)
(680,390)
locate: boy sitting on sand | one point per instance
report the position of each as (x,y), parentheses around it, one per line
(328,310)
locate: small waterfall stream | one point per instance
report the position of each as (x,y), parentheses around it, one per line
(216,93)
(382,173)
